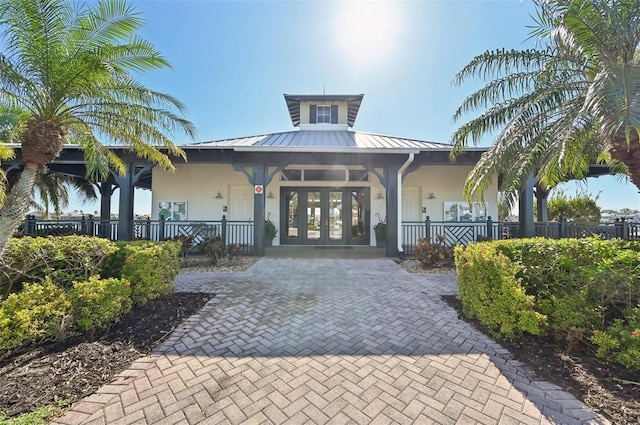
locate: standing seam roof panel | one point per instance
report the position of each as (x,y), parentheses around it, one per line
(326,139)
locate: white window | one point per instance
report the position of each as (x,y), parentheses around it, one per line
(324,114)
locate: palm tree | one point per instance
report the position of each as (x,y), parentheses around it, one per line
(51,189)
(571,101)
(72,70)
(51,192)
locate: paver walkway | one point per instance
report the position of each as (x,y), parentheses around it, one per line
(327,341)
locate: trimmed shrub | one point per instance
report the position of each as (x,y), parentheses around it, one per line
(580,284)
(151,268)
(113,263)
(213,249)
(434,255)
(620,342)
(234,251)
(63,259)
(97,303)
(490,292)
(41,311)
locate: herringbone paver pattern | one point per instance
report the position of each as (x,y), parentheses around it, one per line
(327,342)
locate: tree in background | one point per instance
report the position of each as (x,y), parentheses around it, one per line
(571,101)
(579,207)
(71,68)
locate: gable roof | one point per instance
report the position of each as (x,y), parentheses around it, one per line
(324,141)
(353,101)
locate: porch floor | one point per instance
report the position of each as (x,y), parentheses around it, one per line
(343,252)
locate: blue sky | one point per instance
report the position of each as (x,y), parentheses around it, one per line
(233,60)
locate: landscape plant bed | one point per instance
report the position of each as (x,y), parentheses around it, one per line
(66,371)
(608,389)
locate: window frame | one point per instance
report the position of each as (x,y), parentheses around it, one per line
(325,114)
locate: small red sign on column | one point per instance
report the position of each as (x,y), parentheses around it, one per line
(258,189)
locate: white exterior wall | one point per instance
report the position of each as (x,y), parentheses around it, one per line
(446,183)
(198,185)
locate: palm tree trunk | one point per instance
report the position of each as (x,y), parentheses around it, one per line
(16,205)
(628,154)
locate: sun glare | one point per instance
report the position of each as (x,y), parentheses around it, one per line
(366,32)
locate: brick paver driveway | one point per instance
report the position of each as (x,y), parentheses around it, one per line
(327,341)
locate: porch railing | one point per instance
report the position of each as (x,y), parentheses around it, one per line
(233,232)
(241,232)
(454,233)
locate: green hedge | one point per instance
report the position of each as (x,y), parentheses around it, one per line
(41,311)
(150,267)
(45,310)
(63,259)
(97,303)
(491,292)
(578,289)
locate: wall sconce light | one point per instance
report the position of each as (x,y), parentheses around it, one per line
(270,195)
(380,196)
(431,196)
(218,195)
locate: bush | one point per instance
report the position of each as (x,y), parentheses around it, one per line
(490,292)
(583,287)
(97,303)
(270,230)
(213,248)
(63,259)
(571,316)
(234,251)
(151,268)
(577,293)
(185,243)
(620,342)
(113,263)
(41,311)
(433,255)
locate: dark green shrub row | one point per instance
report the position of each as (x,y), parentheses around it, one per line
(63,259)
(577,288)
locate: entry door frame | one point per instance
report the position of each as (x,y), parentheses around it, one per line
(302,218)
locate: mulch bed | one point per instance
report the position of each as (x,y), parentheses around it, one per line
(66,371)
(609,389)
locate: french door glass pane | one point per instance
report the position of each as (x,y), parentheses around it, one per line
(292,214)
(314,216)
(358,218)
(335,215)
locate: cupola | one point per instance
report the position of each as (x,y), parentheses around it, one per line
(323,111)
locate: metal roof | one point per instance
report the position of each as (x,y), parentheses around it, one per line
(324,141)
(353,101)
